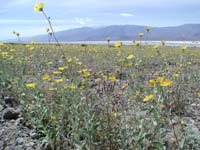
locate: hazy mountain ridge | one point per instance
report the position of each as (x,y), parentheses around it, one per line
(190,32)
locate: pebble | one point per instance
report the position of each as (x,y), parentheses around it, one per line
(10,113)
(20,141)
(9,101)
(33,135)
(195,105)
(1,107)
(19,121)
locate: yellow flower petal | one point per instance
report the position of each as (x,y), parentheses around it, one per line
(112,78)
(166,83)
(198,93)
(39,7)
(159,79)
(46,77)
(59,80)
(31,85)
(131,56)
(148,98)
(152,83)
(118,44)
(61,68)
(137,43)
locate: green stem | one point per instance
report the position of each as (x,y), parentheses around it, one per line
(53,33)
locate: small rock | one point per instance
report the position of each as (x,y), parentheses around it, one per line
(1,107)
(20,141)
(34,135)
(19,121)
(31,144)
(9,101)
(195,105)
(10,113)
(46,145)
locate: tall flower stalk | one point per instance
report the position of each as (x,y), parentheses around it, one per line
(40,8)
(18,36)
(148,30)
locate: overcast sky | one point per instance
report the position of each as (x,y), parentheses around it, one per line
(65,14)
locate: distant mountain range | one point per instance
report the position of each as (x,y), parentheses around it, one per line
(189,32)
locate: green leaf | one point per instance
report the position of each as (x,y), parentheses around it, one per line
(158,144)
(182,143)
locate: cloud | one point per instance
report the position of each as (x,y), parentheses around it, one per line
(57,23)
(126,14)
(26,21)
(83,21)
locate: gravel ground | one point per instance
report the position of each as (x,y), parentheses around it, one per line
(14,133)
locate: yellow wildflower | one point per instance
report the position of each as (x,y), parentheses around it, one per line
(50,63)
(56,72)
(112,78)
(140,35)
(82,89)
(115,115)
(79,63)
(148,98)
(52,89)
(118,44)
(85,73)
(182,123)
(69,60)
(59,80)
(176,75)
(12,50)
(47,29)
(183,48)
(156,47)
(159,79)
(46,77)
(152,83)
(39,7)
(71,87)
(31,85)
(53,117)
(4,53)
(131,56)
(31,48)
(11,57)
(163,42)
(128,64)
(148,29)
(61,68)
(137,43)
(166,83)
(198,93)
